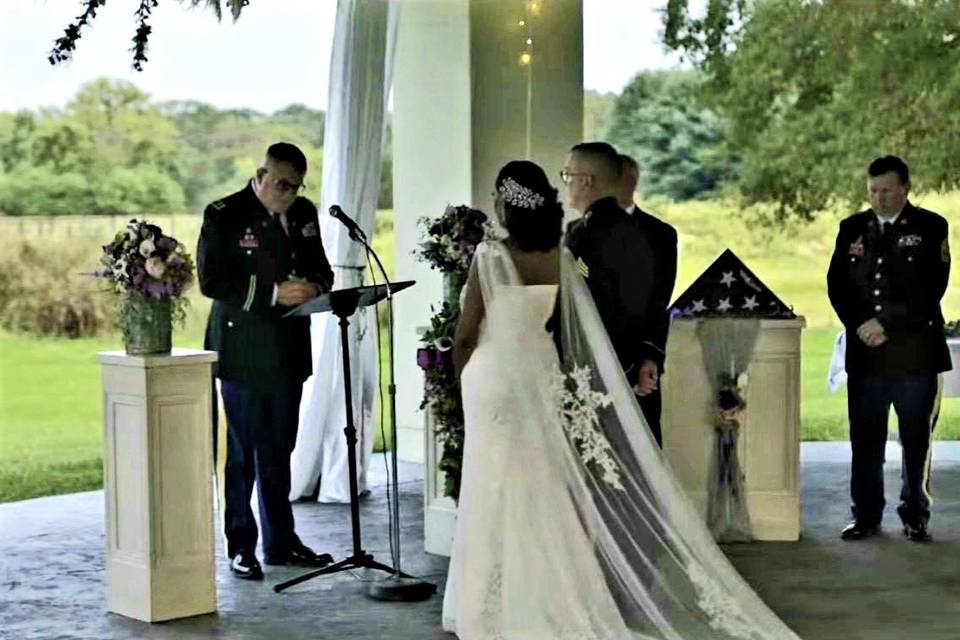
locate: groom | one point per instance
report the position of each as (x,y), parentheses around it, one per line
(617,261)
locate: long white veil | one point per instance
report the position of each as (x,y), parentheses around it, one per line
(666,575)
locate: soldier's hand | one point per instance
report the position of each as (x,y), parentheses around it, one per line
(294,292)
(872,333)
(648,378)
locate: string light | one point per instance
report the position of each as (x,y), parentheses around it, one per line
(532,9)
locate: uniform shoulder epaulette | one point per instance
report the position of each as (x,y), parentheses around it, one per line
(218,204)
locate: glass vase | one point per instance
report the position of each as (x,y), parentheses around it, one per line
(146,324)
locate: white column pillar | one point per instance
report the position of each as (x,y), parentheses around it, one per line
(459,114)
(158,484)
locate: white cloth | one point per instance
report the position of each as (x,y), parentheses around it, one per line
(361,70)
(544,546)
(837,376)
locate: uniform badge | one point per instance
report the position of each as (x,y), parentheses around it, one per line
(218,204)
(249,241)
(856,248)
(912,240)
(309,230)
(583,268)
(945,251)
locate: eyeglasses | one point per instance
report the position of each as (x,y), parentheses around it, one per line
(567,176)
(283,185)
(288,187)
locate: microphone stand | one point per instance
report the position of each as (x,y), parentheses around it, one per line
(397,586)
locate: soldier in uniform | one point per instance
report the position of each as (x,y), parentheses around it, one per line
(260,254)
(662,238)
(886,278)
(616,259)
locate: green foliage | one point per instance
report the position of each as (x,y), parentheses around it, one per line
(41,191)
(65,45)
(661,122)
(136,191)
(705,39)
(43,293)
(112,151)
(597,109)
(813,91)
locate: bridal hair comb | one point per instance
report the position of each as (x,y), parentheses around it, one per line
(517,195)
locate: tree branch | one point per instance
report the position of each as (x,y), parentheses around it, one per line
(64,46)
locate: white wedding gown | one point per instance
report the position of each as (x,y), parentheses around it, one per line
(545,547)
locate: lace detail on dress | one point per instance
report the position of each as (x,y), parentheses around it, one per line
(577,404)
(722,609)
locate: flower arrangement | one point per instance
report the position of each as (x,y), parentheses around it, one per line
(448,245)
(149,272)
(441,394)
(730,402)
(450,240)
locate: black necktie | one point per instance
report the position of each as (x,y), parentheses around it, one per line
(279,220)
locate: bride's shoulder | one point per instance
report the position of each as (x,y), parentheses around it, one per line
(491,246)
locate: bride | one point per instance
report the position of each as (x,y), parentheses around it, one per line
(569,523)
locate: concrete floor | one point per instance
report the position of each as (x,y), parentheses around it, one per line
(52,572)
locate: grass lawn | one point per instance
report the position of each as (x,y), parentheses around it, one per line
(50,393)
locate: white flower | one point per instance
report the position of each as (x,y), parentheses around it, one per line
(132,233)
(146,248)
(155,267)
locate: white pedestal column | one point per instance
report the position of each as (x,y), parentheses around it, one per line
(769,444)
(158,488)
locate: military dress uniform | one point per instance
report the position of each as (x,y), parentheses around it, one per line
(662,238)
(897,273)
(243,253)
(616,258)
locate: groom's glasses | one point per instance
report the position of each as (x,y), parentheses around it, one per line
(567,176)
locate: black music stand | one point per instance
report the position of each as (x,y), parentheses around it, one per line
(343,303)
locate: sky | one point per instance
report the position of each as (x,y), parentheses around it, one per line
(235,64)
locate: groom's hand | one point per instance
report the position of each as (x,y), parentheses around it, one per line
(648,378)
(872,333)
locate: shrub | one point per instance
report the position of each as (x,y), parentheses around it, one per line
(44,292)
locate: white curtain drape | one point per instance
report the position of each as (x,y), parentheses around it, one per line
(361,71)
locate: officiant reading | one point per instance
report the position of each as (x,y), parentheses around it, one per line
(259,254)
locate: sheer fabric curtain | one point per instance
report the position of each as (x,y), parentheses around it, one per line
(361,71)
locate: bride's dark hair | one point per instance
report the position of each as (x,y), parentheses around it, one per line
(534,219)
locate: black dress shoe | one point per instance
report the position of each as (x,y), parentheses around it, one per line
(300,555)
(916,532)
(859,530)
(245,565)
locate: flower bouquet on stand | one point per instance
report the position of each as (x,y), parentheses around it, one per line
(148,273)
(448,246)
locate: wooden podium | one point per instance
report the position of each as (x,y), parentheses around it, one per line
(158,469)
(769,444)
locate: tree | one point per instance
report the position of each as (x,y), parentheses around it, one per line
(813,91)
(597,110)
(660,121)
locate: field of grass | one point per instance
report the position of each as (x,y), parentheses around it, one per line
(50,394)
(51,413)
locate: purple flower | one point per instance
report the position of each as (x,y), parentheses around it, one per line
(426,358)
(155,289)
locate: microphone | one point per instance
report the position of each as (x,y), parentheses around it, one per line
(355,231)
